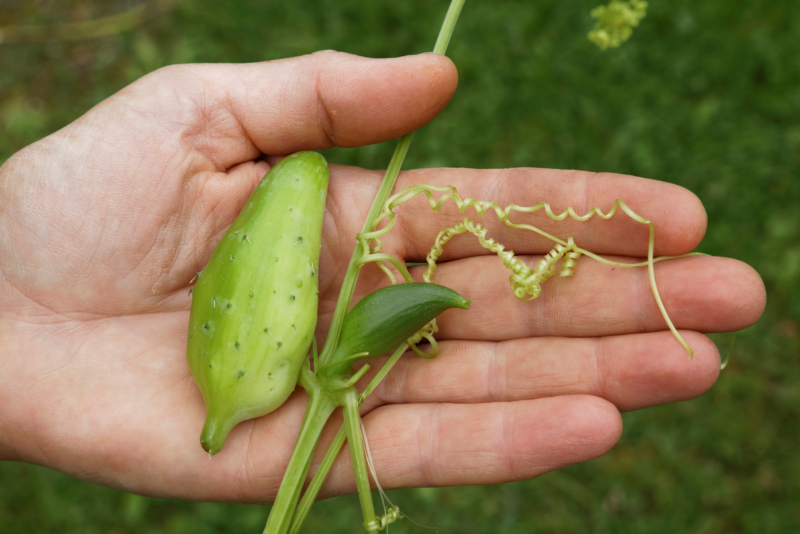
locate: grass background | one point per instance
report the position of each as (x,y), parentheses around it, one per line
(705,95)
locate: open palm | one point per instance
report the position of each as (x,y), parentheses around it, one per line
(104,224)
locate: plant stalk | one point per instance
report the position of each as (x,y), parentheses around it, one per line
(389,179)
(319,409)
(312,491)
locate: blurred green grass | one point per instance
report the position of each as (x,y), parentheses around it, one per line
(705,95)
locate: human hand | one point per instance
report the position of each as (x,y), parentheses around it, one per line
(104,223)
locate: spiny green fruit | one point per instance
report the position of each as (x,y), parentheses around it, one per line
(382,320)
(254,307)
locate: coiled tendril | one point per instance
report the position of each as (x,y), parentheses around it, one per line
(525,281)
(379,523)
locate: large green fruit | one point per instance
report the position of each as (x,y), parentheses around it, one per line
(254,306)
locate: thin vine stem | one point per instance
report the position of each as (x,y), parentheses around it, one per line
(353,426)
(389,179)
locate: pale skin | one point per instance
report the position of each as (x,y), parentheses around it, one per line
(104,224)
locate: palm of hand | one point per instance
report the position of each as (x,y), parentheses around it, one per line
(105,223)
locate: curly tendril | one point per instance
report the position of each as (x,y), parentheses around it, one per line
(525,281)
(380,523)
(426,332)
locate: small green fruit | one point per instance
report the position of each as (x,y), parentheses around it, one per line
(384,319)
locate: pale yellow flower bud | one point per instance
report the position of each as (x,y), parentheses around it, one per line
(615,22)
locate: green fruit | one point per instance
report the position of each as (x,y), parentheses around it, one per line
(383,320)
(254,306)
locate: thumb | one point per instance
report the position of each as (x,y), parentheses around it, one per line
(310,102)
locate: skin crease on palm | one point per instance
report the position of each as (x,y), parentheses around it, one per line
(104,224)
